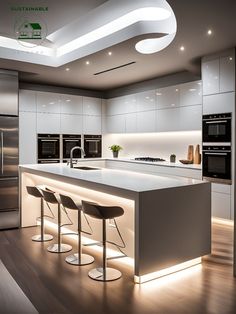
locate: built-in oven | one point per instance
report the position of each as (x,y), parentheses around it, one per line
(48,147)
(69,141)
(93,146)
(217,128)
(217,163)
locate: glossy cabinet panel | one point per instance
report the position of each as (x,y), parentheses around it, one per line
(48,102)
(168,120)
(168,97)
(71,104)
(210,77)
(191,118)
(27,100)
(191,94)
(220,205)
(146,121)
(48,123)
(116,124)
(92,124)
(227,74)
(131,122)
(71,124)
(219,103)
(146,101)
(92,106)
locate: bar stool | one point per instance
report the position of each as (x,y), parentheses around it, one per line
(42,237)
(103,213)
(77,258)
(59,247)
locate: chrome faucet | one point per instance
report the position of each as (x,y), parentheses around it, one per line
(71,154)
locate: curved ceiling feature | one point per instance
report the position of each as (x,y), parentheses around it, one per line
(109,24)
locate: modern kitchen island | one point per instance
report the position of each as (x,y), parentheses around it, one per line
(166,224)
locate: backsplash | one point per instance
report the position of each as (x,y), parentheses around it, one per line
(152,144)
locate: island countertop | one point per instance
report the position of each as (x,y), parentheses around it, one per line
(122,179)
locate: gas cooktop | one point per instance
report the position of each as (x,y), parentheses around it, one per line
(151,159)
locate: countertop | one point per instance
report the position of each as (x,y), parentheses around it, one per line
(122,179)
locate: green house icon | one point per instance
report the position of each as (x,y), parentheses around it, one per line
(30,31)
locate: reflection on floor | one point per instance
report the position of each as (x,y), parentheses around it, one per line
(59,288)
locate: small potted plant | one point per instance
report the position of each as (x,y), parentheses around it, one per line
(115,150)
(172,158)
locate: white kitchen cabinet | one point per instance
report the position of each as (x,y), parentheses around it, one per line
(48,123)
(146,121)
(27,138)
(227,74)
(146,101)
(92,124)
(116,106)
(190,118)
(219,103)
(71,104)
(167,97)
(48,102)
(191,93)
(92,106)
(168,120)
(27,100)
(116,124)
(131,122)
(71,124)
(220,205)
(210,76)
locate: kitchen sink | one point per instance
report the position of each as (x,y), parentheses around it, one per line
(85,168)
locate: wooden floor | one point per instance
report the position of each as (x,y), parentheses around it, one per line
(56,287)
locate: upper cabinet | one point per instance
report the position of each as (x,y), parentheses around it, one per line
(27,101)
(71,104)
(227,74)
(191,94)
(168,97)
(92,106)
(210,77)
(48,102)
(218,74)
(146,101)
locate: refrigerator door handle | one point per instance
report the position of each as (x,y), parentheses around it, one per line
(1,152)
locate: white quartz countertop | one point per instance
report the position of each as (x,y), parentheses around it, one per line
(122,179)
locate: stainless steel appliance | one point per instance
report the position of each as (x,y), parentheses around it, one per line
(93,146)
(48,147)
(217,128)
(149,159)
(9,151)
(70,141)
(217,163)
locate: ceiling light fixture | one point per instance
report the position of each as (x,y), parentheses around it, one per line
(182,48)
(109,53)
(209,32)
(87,62)
(67,69)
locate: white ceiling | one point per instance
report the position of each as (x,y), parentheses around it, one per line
(194,18)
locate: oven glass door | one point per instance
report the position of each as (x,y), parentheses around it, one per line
(68,144)
(92,148)
(48,148)
(217,165)
(217,130)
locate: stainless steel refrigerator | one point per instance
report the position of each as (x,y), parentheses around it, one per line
(9,150)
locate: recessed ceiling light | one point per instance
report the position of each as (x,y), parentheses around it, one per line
(182,48)
(230,58)
(109,53)
(177,90)
(51,103)
(209,32)
(87,63)
(67,69)
(68,100)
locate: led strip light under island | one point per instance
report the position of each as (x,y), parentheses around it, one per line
(166,223)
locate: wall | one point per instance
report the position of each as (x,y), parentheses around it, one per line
(152,144)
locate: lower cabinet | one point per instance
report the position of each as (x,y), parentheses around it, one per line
(27,138)
(221,201)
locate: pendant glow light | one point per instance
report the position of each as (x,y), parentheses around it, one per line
(107,25)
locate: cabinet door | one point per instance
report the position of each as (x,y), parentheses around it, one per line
(146,101)
(131,122)
(146,121)
(210,77)
(92,124)
(48,102)
(219,103)
(220,205)
(71,104)
(167,97)
(27,138)
(116,124)
(168,120)
(227,74)
(191,118)
(92,106)
(191,94)
(48,123)
(71,124)
(27,100)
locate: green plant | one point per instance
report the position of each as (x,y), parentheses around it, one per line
(115,148)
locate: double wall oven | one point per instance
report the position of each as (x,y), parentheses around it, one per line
(55,148)
(217,162)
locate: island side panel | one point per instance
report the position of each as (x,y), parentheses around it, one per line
(173,226)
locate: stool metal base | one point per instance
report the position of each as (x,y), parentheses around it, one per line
(39,238)
(54,248)
(84,260)
(111,274)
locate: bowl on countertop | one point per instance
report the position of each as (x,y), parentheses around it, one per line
(186,161)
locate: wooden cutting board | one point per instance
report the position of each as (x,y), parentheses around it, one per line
(197,155)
